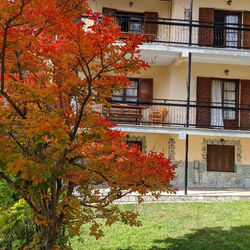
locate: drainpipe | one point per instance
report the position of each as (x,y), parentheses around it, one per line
(170,8)
(188,96)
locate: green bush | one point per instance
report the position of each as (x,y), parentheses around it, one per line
(17,229)
(8,195)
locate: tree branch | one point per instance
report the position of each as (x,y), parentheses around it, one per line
(18,143)
(85,100)
(4,46)
(8,180)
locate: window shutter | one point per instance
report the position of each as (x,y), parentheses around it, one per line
(203,115)
(246,34)
(150,29)
(146,90)
(206,35)
(245,103)
(109,11)
(229,154)
(212,158)
(220,158)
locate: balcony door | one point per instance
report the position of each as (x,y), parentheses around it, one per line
(225,29)
(220,98)
(130,22)
(135,22)
(219,28)
(224,95)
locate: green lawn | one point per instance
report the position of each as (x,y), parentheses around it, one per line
(221,225)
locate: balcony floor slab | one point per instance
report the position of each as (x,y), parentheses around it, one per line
(182,131)
(165,54)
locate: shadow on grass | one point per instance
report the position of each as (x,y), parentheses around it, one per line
(236,238)
(215,238)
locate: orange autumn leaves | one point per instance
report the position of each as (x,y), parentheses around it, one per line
(56,66)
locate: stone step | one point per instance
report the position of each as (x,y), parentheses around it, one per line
(132,199)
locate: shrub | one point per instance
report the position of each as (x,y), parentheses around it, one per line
(16,227)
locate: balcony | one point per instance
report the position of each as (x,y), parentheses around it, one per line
(177,32)
(173,113)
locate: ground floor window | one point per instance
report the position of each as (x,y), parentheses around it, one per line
(220,158)
(137,143)
(140,141)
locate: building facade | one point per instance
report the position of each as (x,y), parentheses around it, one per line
(198,86)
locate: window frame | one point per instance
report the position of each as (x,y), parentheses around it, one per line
(124,96)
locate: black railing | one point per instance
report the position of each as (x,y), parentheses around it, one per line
(167,112)
(177,31)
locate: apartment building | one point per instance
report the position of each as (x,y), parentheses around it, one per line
(194,102)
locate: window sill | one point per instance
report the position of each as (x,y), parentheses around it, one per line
(224,172)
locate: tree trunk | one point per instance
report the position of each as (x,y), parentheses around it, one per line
(50,235)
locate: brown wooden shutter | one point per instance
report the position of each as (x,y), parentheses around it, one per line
(150,29)
(220,158)
(109,11)
(146,90)
(246,34)
(245,103)
(203,115)
(206,35)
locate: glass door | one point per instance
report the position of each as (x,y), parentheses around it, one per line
(225,100)
(232,35)
(230,100)
(226,33)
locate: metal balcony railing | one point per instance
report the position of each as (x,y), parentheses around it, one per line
(177,31)
(165,112)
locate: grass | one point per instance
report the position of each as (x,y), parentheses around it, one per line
(177,226)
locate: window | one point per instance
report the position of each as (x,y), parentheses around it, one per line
(140,141)
(132,143)
(128,94)
(141,90)
(220,158)
(130,22)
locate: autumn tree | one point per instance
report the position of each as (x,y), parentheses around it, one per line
(55,146)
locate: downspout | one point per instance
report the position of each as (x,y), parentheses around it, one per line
(170,9)
(170,6)
(188,95)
